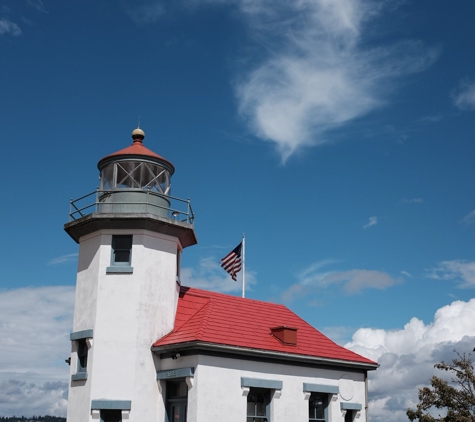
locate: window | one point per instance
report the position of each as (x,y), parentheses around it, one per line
(121,250)
(80,338)
(351,410)
(317,407)
(121,254)
(350,416)
(258,403)
(177,400)
(82,355)
(110,410)
(111,416)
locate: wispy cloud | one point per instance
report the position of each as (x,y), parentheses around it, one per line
(9,27)
(460,271)
(38,5)
(64,259)
(372,222)
(317,277)
(146,13)
(464,95)
(315,74)
(430,119)
(412,201)
(312,70)
(468,219)
(210,276)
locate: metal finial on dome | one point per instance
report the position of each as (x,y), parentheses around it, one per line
(138,134)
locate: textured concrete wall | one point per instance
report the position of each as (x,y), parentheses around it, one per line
(127,312)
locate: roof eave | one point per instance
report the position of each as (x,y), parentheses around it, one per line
(199,345)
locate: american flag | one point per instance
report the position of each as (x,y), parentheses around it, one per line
(232,261)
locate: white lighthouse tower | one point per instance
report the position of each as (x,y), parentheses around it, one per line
(131,232)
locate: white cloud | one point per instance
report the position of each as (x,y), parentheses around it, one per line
(464,95)
(352,281)
(469,218)
(372,222)
(26,398)
(64,259)
(316,75)
(460,271)
(34,326)
(210,276)
(9,27)
(407,357)
(312,73)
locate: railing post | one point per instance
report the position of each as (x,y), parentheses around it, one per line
(96,206)
(188,211)
(70,209)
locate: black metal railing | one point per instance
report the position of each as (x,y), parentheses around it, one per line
(103,200)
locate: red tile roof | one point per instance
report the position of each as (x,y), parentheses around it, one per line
(220,319)
(136,149)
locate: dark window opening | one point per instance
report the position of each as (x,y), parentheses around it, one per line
(82,355)
(177,401)
(350,416)
(258,403)
(121,250)
(111,416)
(317,407)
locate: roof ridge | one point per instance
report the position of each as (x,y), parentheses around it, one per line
(204,321)
(207,293)
(191,316)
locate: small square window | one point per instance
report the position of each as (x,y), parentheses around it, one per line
(121,254)
(121,250)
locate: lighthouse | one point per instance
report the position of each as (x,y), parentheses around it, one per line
(146,348)
(131,232)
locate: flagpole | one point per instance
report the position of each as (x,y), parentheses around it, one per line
(243,266)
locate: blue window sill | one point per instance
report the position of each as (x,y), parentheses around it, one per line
(123,270)
(79,376)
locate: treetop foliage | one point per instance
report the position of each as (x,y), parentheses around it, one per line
(454,400)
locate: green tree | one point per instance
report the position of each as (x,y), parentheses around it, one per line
(455,399)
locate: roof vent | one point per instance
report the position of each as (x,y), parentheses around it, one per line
(287,335)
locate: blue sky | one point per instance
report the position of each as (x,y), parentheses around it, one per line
(336,134)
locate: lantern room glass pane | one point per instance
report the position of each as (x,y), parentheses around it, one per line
(107,177)
(135,175)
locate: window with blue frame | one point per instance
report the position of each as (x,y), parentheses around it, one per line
(258,405)
(121,250)
(80,340)
(317,407)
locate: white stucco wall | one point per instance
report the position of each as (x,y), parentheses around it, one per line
(217,395)
(127,312)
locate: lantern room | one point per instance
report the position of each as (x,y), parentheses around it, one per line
(135,179)
(134,192)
